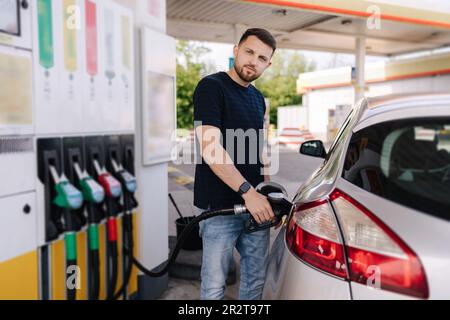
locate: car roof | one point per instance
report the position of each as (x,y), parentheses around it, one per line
(397,100)
(394,104)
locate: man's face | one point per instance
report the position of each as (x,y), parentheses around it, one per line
(251,58)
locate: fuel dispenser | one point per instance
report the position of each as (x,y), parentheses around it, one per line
(56,194)
(124,171)
(128,185)
(49,153)
(95,156)
(95,161)
(62,200)
(93,193)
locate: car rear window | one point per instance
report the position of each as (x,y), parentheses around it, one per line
(405,161)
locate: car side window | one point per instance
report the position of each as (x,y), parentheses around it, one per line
(407,162)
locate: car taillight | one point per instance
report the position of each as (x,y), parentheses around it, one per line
(377,256)
(313,236)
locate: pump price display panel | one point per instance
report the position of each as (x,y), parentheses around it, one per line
(10,17)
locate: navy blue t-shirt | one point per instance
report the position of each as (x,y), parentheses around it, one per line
(221,102)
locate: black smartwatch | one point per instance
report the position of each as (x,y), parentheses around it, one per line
(244,188)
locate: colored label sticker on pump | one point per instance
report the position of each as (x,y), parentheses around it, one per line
(91,38)
(70,239)
(70,25)
(109,43)
(112,229)
(126,42)
(93,237)
(45,30)
(153,7)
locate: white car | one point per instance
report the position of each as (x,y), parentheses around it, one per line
(373,222)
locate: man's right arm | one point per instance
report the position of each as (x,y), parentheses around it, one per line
(221,164)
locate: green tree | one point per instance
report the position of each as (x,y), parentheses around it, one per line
(190,70)
(279,82)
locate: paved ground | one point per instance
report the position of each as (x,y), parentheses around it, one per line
(293,170)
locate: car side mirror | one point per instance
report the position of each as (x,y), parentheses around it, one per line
(313,148)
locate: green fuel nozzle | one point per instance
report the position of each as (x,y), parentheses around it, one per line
(92,191)
(67,196)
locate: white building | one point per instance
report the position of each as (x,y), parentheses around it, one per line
(324,90)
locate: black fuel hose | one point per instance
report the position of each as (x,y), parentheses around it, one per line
(94,275)
(206,215)
(111,250)
(127,242)
(71,293)
(113,268)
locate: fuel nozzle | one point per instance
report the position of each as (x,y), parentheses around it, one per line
(92,191)
(67,196)
(125,177)
(94,195)
(110,185)
(281,206)
(129,184)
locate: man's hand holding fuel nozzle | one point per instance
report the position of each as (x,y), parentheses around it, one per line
(258,206)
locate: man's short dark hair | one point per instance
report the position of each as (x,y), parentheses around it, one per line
(263,35)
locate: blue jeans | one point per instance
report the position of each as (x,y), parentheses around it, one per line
(220,235)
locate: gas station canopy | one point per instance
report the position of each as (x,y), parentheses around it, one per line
(326,25)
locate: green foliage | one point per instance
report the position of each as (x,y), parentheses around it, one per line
(189,72)
(279,82)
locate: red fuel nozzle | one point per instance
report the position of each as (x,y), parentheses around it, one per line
(112,186)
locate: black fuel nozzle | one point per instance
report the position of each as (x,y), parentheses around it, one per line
(281,206)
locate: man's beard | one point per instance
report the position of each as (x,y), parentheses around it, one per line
(240,71)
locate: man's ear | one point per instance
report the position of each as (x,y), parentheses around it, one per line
(235,51)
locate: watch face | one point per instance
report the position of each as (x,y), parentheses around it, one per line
(245,187)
